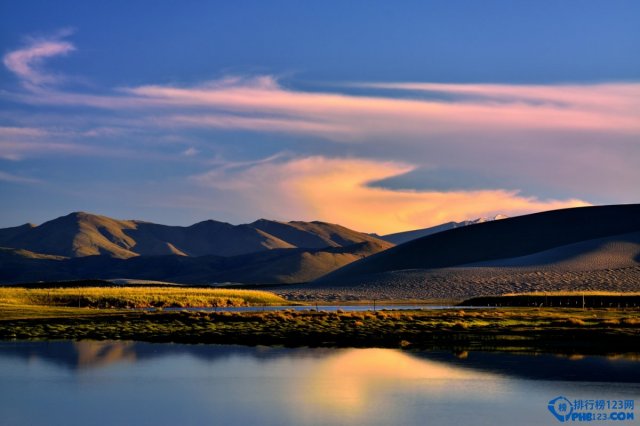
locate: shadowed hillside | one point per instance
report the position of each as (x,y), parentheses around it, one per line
(266,267)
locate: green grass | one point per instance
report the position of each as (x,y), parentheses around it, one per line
(136,297)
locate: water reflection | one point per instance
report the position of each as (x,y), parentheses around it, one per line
(143,383)
(94,354)
(361,373)
(326,308)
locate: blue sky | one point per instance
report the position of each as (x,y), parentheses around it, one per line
(382,116)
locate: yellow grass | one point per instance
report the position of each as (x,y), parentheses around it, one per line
(138,297)
(575,293)
(18,312)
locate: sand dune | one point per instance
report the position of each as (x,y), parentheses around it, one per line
(591,248)
(502,239)
(616,252)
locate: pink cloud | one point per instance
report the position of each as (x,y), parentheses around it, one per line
(267,106)
(596,107)
(598,96)
(26,62)
(9,131)
(567,138)
(261,124)
(17,150)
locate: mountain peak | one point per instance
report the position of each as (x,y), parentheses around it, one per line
(81,214)
(264,221)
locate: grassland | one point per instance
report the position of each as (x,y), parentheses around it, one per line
(566,331)
(584,299)
(576,293)
(133,297)
(51,314)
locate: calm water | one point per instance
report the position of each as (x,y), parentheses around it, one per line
(115,383)
(327,308)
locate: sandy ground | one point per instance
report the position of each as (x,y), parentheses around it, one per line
(464,282)
(607,264)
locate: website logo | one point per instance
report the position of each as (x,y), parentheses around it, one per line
(591,410)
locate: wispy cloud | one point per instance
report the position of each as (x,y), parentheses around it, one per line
(598,96)
(12,131)
(262,104)
(564,138)
(17,150)
(338,190)
(17,143)
(190,152)
(26,63)
(289,125)
(588,107)
(12,178)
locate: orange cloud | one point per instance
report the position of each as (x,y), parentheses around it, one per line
(338,190)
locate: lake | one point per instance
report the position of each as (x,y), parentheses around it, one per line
(122,383)
(327,308)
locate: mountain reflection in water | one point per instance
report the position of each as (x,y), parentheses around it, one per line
(94,354)
(144,383)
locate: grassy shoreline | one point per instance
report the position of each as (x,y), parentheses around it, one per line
(105,313)
(567,331)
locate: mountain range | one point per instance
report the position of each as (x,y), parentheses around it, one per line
(585,248)
(82,234)
(595,248)
(84,245)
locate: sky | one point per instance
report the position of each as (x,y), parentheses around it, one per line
(380,116)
